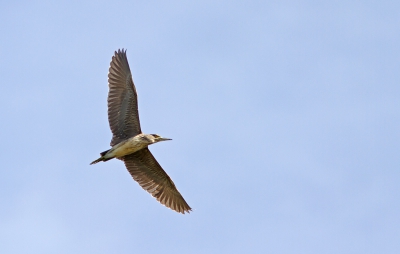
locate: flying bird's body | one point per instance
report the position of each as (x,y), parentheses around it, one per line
(126,147)
(129,144)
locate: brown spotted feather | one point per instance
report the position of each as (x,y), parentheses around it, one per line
(123,115)
(149,174)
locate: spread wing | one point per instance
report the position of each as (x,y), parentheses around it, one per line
(148,173)
(123,115)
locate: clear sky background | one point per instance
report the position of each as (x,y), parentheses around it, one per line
(284,117)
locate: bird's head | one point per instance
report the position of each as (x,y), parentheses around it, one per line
(154,138)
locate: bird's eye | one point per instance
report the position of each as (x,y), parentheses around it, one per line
(155,135)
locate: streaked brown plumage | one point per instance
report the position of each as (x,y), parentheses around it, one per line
(129,144)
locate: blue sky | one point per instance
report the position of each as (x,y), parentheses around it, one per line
(284,117)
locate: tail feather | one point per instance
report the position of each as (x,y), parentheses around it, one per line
(98,160)
(102,157)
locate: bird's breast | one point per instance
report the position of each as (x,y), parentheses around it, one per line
(126,147)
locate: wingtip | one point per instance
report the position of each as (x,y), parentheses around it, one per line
(187,211)
(120,51)
(182,209)
(174,206)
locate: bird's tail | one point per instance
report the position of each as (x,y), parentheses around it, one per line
(101,158)
(98,160)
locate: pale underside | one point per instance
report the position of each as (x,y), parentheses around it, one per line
(126,147)
(124,122)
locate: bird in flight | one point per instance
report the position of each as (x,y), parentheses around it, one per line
(129,144)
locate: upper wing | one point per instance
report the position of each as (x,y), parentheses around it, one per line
(148,173)
(123,115)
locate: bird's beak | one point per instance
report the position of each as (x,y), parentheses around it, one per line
(165,139)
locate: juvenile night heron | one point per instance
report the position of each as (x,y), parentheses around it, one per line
(129,144)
